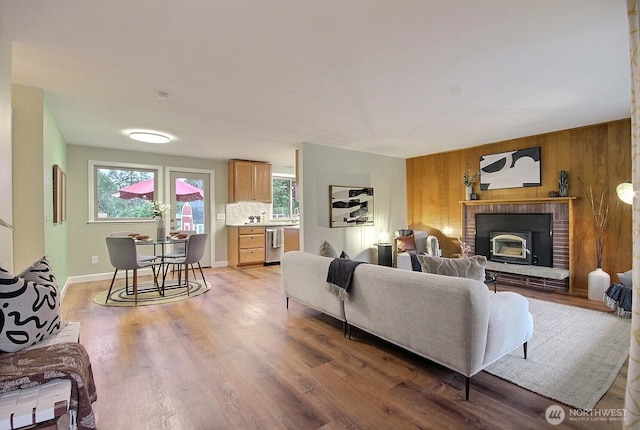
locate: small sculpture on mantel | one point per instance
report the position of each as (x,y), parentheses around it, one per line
(563,183)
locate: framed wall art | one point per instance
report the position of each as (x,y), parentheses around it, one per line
(59,195)
(513,169)
(350,206)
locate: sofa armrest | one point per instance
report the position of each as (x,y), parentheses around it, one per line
(510,324)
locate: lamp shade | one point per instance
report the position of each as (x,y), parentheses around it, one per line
(625,192)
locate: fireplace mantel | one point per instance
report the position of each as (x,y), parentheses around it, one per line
(518,201)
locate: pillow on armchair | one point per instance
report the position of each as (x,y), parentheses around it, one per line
(470,267)
(326,250)
(406,243)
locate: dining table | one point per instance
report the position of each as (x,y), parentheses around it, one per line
(160,248)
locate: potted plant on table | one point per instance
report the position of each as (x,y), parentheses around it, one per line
(159,209)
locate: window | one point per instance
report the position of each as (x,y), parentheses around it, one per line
(120,192)
(284,202)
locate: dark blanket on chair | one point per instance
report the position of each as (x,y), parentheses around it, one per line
(415,264)
(28,368)
(340,275)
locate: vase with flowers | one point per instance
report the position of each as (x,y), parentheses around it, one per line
(468,180)
(598,280)
(158,209)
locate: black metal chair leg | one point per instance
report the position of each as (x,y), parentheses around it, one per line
(525,350)
(200,268)
(111,286)
(287,302)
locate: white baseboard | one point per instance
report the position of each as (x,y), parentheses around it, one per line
(121,274)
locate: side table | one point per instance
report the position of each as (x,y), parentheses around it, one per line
(384,254)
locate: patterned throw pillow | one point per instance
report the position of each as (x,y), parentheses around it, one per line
(470,267)
(326,250)
(406,243)
(29,306)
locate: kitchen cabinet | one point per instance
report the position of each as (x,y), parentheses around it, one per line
(291,239)
(245,245)
(249,181)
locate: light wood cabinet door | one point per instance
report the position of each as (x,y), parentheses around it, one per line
(249,181)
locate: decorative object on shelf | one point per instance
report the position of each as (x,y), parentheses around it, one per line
(350,206)
(474,196)
(563,183)
(468,180)
(554,194)
(513,169)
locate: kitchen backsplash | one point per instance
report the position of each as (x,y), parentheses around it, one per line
(238,213)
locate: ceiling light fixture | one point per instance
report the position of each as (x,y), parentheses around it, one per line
(149,137)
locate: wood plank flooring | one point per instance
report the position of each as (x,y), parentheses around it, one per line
(236,358)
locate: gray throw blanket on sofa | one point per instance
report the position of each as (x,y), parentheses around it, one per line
(340,276)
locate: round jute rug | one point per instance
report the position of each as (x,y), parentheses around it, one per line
(148,294)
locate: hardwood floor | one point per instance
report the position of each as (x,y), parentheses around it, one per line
(236,358)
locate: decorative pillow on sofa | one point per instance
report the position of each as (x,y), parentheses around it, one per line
(406,243)
(625,278)
(326,250)
(470,267)
(29,306)
(345,255)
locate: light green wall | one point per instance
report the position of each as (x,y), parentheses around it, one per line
(55,152)
(322,166)
(87,239)
(6,191)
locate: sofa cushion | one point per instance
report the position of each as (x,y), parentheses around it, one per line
(625,278)
(326,250)
(406,243)
(29,306)
(470,267)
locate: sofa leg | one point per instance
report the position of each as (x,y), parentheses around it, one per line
(525,350)
(287,302)
(466,389)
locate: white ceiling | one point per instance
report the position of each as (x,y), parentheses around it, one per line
(252,79)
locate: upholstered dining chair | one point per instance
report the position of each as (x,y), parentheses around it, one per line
(195,247)
(141,257)
(179,250)
(124,256)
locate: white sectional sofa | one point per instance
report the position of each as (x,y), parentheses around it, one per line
(456,322)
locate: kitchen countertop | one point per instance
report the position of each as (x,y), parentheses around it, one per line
(265,224)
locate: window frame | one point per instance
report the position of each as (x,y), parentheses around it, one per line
(292,180)
(92,201)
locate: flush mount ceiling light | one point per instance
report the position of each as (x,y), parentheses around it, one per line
(149,137)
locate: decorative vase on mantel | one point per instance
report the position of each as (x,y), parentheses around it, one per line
(598,282)
(161,232)
(468,189)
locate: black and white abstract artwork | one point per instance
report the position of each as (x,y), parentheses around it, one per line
(351,206)
(513,169)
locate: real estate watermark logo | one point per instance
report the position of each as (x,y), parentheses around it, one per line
(555,415)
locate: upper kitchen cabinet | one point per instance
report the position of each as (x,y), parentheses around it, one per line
(249,181)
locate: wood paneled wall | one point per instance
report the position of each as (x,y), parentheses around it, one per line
(597,156)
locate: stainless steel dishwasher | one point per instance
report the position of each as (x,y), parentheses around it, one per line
(274,244)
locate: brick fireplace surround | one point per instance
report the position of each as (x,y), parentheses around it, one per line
(559,207)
